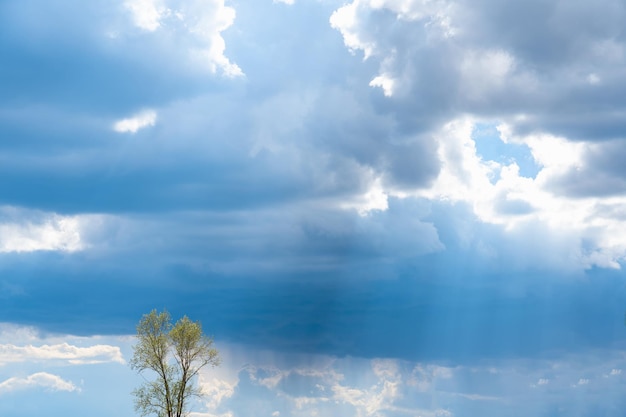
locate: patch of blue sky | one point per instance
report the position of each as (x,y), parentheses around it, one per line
(491,147)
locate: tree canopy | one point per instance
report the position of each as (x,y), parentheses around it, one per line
(175,353)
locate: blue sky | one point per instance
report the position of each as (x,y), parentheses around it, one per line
(377,207)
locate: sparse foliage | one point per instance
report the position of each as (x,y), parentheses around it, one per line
(176,354)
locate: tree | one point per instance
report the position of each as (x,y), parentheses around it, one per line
(176,354)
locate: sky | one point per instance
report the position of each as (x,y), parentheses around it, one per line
(377,208)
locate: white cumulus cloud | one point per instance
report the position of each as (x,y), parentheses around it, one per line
(146,14)
(40,379)
(216,390)
(195,25)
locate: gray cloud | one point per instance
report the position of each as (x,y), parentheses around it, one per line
(555,62)
(602,173)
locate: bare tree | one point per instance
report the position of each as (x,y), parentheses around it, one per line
(176,354)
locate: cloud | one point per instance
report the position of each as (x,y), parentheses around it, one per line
(56,234)
(147,14)
(484,63)
(486,71)
(206,25)
(41,379)
(24,230)
(371,401)
(596,172)
(198,24)
(64,352)
(472,60)
(22,344)
(216,390)
(384,82)
(352,386)
(312,390)
(377,387)
(133,124)
(499,194)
